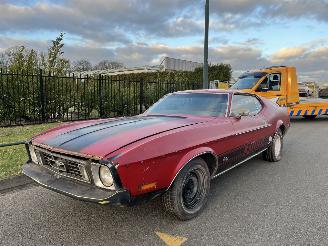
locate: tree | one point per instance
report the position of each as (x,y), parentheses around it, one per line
(81,65)
(220,72)
(20,58)
(54,62)
(107,64)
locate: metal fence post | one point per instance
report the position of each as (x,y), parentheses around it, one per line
(101,96)
(141,96)
(42,97)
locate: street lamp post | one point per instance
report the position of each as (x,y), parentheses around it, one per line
(205,67)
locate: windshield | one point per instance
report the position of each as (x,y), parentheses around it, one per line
(248,80)
(200,104)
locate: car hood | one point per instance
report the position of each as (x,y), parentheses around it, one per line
(102,137)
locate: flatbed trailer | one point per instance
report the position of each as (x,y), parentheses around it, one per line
(309,107)
(279,84)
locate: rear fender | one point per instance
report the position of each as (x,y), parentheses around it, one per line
(190,156)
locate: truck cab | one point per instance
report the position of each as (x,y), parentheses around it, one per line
(279,84)
(276,83)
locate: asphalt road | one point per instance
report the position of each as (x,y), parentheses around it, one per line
(258,203)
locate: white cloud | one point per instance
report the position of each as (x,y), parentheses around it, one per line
(311,62)
(128,30)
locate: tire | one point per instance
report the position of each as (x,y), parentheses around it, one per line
(309,117)
(274,152)
(188,194)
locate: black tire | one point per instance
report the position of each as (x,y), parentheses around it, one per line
(274,152)
(309,117)
(188,194)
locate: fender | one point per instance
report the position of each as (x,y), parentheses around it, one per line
(190,156)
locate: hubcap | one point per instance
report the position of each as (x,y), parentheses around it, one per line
(277,146)
(190,190)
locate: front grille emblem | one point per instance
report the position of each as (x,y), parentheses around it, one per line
(64,166)
(59,165)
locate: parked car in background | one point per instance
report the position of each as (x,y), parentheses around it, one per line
(173,149)
(323,93)
(304,90)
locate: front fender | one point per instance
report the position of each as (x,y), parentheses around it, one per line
(187,158)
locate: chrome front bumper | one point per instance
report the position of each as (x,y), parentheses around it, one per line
(73,188)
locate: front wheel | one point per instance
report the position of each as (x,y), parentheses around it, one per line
(274,152)
(188,195)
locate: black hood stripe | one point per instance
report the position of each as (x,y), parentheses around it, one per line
(63,138)
(106,122)
(77,140)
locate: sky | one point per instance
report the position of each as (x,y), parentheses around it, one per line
(248,34)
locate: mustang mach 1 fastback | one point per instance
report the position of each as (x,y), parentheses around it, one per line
(173,149)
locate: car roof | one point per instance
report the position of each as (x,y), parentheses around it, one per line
(210,91)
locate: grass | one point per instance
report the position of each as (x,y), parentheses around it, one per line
(12,158)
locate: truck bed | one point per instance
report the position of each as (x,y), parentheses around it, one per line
(313,100)
(309,107)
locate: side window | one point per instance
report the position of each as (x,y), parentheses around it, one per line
(264,86)
(271,83)
(245,103)
(274,82)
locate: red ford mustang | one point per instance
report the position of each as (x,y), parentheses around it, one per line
(174,149)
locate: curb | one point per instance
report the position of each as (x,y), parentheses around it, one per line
(14,182)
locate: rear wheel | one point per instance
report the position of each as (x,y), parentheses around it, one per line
(274,152)
(188,195)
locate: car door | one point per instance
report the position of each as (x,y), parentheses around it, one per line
(248,123)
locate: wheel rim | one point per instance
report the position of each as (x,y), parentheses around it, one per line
(277,146)
(191,192)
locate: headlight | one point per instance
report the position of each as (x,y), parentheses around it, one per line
(33,154)
(105,176)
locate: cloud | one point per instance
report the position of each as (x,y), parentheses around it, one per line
(310,60)
(242,14)
(273,8)
(122,22)
(8,42)
(132,31)
(103,21)
(288,53)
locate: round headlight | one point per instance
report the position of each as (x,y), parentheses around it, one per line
(105,176)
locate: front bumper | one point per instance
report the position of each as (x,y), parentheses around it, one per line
(75,189)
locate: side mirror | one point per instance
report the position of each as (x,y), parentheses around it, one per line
(236,116)
(241,112)
(244,112)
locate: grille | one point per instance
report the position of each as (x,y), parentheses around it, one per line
(65,166)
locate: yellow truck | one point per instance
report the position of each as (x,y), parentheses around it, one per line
(279,84)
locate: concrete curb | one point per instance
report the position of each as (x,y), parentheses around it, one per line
(15,182)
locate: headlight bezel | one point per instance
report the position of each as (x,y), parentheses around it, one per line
(95,170)
(33,154)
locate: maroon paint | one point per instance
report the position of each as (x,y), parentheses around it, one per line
(159,157)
